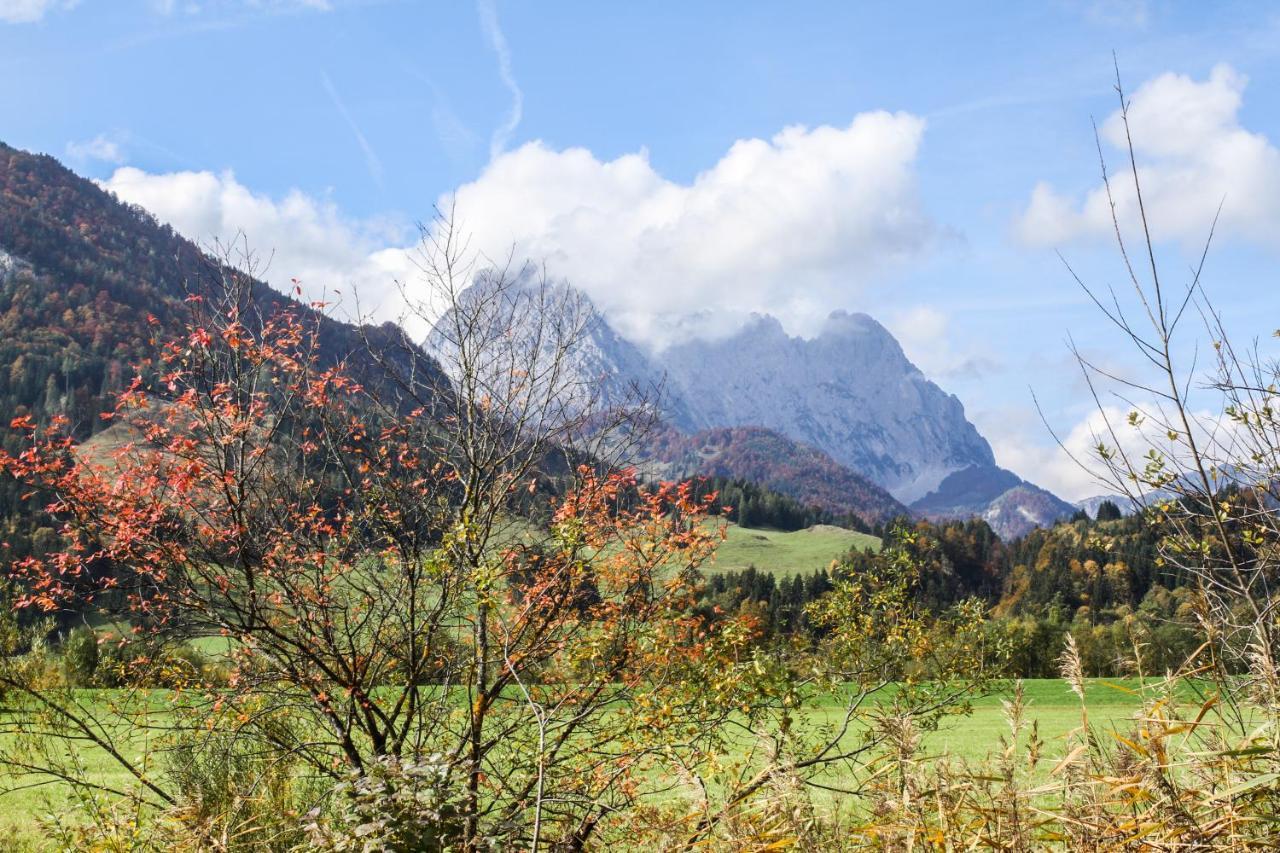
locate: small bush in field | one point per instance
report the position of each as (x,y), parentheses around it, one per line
(396,806)
(144,661)
(80,657)
(232,784)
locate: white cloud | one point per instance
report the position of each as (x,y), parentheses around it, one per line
(103,147)
(303,237)
(30,11)
(922,331)
(1011,434)
(794,226)
(925,335)
(1019,441)
(1193,155)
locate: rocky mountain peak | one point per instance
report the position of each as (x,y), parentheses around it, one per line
(601,369)
(850,391)
(764,325)
(861,335)
(856,324)
(849,394)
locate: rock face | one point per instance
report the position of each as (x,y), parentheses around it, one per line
(623,372)
(600,370)
(843,411)
(10,265)
(850,392)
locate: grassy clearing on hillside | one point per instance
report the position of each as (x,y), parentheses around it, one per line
(783,553)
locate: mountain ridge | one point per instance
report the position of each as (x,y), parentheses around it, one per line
(850,391)
(773,460)
(80,271)
(846,406)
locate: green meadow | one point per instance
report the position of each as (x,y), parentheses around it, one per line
(785,553)
(972,738)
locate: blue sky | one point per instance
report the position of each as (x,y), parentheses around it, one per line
(937,156)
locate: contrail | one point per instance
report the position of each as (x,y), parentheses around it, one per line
(370,156)
(489,22)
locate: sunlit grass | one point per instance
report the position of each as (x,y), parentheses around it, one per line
(973,738)
(785,553)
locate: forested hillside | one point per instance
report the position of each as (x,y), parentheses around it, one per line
(88,286)
(763,456)
(1100,580)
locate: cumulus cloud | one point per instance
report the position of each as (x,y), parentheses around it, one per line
(794,225)
(30,11)
(103,148)
(1058,468)
(302,237)
(1193,155)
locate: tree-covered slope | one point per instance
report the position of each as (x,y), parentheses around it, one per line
(88,285)
(760,455)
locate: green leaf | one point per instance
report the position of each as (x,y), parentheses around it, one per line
(1264,779)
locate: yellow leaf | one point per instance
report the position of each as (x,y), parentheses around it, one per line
(1068,760)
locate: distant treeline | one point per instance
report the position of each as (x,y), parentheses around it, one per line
(1099,579)
(778,603)
(752,505)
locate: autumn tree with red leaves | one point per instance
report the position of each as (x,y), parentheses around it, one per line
(451,616)
(369,550)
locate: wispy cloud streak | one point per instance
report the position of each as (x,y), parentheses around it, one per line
(371,159)
(497,41)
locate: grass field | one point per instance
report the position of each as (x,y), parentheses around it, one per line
(973,737)
(1112,704)
(801,551)
(23,808)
